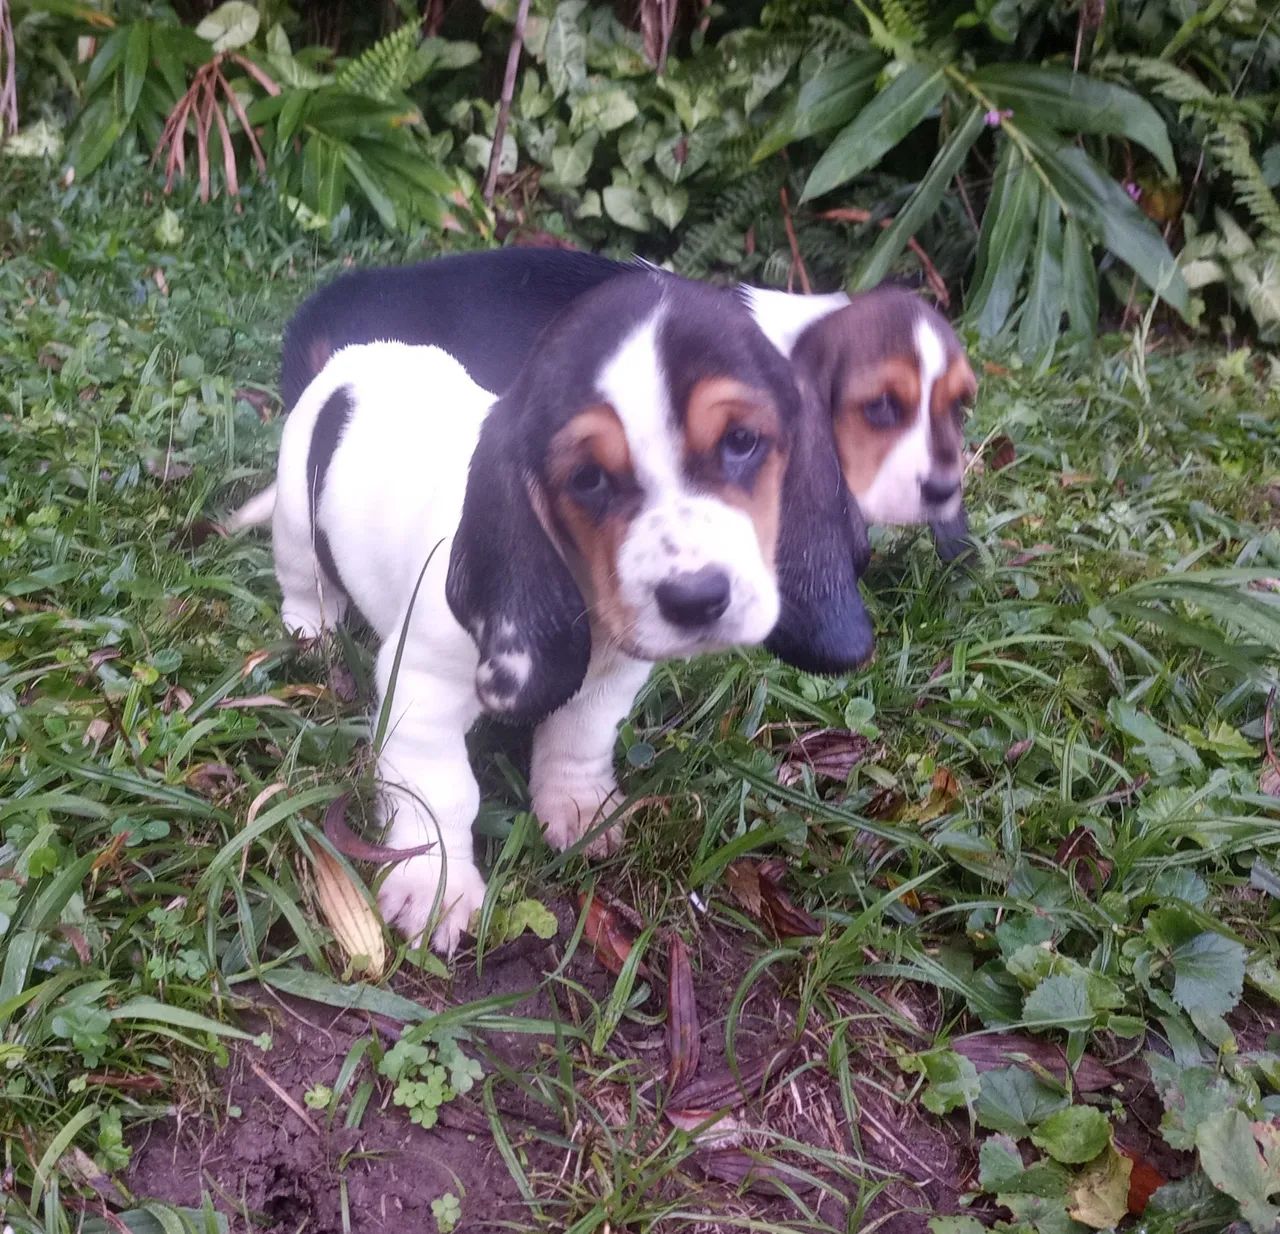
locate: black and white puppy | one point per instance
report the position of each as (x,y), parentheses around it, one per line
(887,368)
(651,486)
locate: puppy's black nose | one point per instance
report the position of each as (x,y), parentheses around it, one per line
(938,492)
(694,599)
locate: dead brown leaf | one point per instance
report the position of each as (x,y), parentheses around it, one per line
(987,1051)
(250,702)
(1269,781)
(1070,479)
(725,1088)
(1144,1181)
(829,752)
(339,834)
(253,659)
(259,400)
(95,733)
(1078,854)
(682,1017)
(1002,453)
(787,919)
(1018,749)
(742,877)
(740,1169)
(610,935)
(213,780)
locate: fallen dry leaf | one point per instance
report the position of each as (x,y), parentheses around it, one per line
(249,702)
(350,845)
(212,780)
(1069,479)
(987,1051)
(253,660)
(259,400)
(788,919)
(165,468)
(738,1168)
(724,1131)
(682,1017)
(1144,1181)
(724,1088)
(1078,854)
(1100,1196)
(354,924)
(1002,453)
(944,791)
(1269,781)
(75,936)
(610,935)
(1029,555)
(1018,749)
(742,877)
(830,752)
(95,733)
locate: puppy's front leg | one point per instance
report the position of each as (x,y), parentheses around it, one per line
(430,795)
(571,771)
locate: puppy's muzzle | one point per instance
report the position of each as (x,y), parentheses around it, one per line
(695,599)
(939,492)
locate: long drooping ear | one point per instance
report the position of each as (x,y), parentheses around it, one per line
(822,548)
(509,587)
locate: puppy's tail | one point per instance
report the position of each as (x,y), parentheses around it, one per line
(256,511)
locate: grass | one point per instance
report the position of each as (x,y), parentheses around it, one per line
(1036,838)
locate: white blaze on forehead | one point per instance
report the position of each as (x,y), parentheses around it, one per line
(633,381)
(784,317)
(933,359)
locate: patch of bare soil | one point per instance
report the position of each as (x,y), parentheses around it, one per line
(275,1166)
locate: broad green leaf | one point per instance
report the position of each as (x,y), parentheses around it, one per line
(136,55)
(831,97)
(669,203)
(1061,1001)
(953,1079)
(1074,1135)
(105,60)
(1208,967)
(1079,282)
(956,1225)
(157,1013)
(1000,1169)
(97,132)
(565,49)
(625,204)
(1077,103)
(1105,210)
(1013,1100)
(1046,297)
(877,128)
(230,25)
(1007,228)
(1235,1163)
(374,192)
(919,207)
(602,110)
(570,163)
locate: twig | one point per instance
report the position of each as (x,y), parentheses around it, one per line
(797,262)
(285,1097)
(504,104)
(852,214)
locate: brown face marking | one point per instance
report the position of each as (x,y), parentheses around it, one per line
(593,437)
(861,445)
(717,405)
(853,356)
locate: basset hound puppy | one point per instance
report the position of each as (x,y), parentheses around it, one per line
(651,485)
(886,367)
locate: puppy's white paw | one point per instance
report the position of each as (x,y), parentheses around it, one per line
(408,896)
(568,815)
(305,624)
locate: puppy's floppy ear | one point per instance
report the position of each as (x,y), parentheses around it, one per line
(509,587)
(822,548)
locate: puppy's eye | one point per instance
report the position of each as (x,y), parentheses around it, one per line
(739,444)
(883,412)
(589,482)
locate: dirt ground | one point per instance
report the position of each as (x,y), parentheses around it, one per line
(278,1167)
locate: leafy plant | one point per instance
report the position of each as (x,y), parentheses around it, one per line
(428,1068)
(1051,200)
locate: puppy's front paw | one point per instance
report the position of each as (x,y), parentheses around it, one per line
(568,815)
(306,624)
(408,896)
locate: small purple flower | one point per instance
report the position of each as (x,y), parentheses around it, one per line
(1134,191)
(995,118)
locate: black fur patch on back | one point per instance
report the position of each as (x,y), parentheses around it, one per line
(330,424)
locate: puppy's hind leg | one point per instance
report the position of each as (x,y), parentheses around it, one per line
(312,601)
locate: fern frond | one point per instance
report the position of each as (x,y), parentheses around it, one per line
(387,68)
(1226,136)
(905,19)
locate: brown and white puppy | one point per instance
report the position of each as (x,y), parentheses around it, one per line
(651,486)
(897,384)
(886,368)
